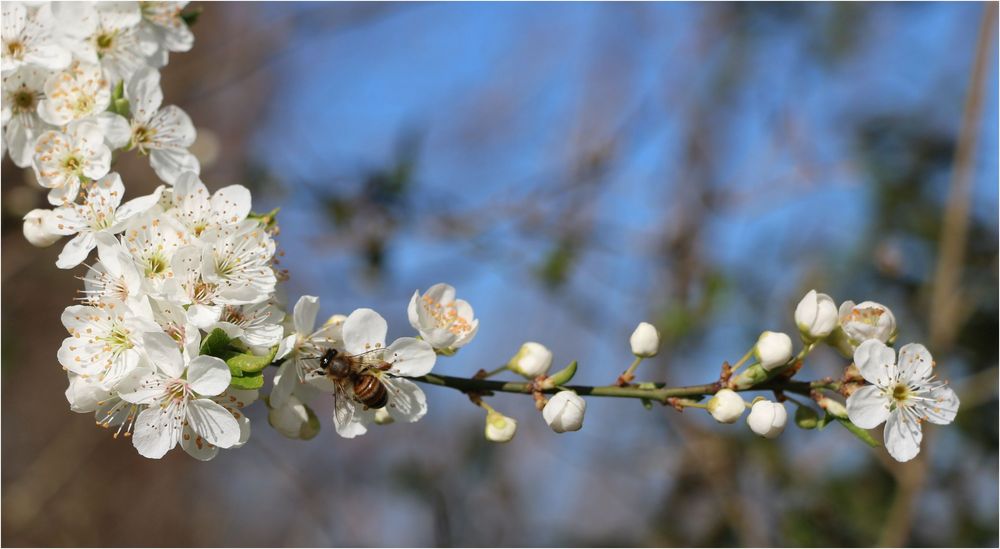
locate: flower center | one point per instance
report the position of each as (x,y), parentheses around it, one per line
(24,100)
(15,49)
(105,41)
(900,392)
(177,390)
(142,135)
(119,338)
(868,315)
(84,104)
(72,164)
(156,266)
(446,317)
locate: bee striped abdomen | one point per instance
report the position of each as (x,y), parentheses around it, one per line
(370,391)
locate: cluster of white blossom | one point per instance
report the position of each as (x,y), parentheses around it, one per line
(902,393)
(178,316)
(81,81)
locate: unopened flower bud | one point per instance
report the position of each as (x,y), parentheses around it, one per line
(833,407)
(294,419)
(37,228)
(499,428)
(382,417)
(806,418)
(773,349)
(564,412)
(645,340)
(726,406)
(532,360)
(767,418)
(816,316)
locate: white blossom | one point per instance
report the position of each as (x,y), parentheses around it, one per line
(726,406)
(499,428)
(164,134)
(23,89)
(773,350)
(38,228)
(162,21)
(864,321)
(564,412)
(442,320)
(532,360)
(767,418)
(79,91)
(101,212)
(62,160)
(903,395)
(238,261)
(28,40)
(105,341)
(645,340)
(301,348)
(198,210)
(816,315)
(178,391)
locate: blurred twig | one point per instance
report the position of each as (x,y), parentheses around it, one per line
(946,294)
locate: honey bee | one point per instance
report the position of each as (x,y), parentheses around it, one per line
(355,376)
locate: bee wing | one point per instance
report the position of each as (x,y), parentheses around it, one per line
(349,418)
(407,401)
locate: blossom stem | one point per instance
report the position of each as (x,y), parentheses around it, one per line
(629,373)
(743,360)
(659,392)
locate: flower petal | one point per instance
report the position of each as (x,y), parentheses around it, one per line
(213,422)
(141,386)
(285,381)
(868,407)
(76,250)
(164,353)
(196,446)
(348,419)
(876,361)
(410,357)
(902,436)
(157,431)
(407,401)
(915,362)
(945,407)
(208,375)
(304,314)
(364,330)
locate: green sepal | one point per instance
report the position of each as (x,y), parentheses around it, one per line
(247,382)
(806,418)
(268,220)
(216,344)
(190,16)
(249,362)
(561,377)
(863,434)
(824,421)
(119,105)
(450,351)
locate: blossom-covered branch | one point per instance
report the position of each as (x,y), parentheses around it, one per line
(179,317)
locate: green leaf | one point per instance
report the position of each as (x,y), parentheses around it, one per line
(864,435)
(249,362)
(248,382)
(216,344)
(119,105)
(268,220)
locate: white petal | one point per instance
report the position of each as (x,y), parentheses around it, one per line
(164,353)
(902,436)
(138,205)
(304,314)
(197,447)
(141,386)
(169,164)
(76,250)
(411,311)
(407,401)
(348,420)
(231,204)
(410,357)
(944,408)
(208,375)
(213,422)
(876,361)
(285,381)
(144,93)
(915,362)
(364,330)
(157,431)
(868,407)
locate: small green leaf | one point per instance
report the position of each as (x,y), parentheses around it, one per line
(248,382)
(864,435)
(249,362)
(216,344)
(563,376)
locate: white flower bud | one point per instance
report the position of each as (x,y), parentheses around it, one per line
(499,428)
(864,321)
(773,349)
(645,340)
(816,315)
(37,228)
(383,417)
(767,418)
(294,419)
(564,412)
(532,360)
(726,406)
